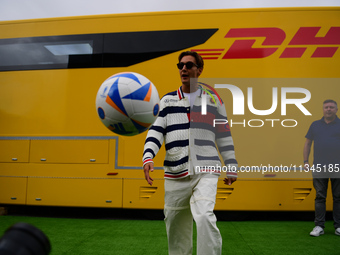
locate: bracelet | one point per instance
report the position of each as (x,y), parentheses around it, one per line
(306,161)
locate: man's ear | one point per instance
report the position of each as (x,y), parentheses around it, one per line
(200,70)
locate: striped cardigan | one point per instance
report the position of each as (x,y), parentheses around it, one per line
(190,138)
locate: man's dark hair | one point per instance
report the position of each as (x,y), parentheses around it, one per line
(330,101)
(198,58)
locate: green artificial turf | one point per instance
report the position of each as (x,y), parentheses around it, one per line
(111,236)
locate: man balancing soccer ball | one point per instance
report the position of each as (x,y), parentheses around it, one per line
(190,142)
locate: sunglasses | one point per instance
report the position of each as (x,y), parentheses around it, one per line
(189,65)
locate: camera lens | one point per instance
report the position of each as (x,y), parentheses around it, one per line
(24,239)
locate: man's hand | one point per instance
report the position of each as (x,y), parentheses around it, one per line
(147,168)
(229,181)
(306,166)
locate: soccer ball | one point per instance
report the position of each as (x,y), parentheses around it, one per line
(127,103)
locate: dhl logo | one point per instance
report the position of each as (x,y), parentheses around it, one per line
(273,38)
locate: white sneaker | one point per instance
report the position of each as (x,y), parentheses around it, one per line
(317,231)
(337,231)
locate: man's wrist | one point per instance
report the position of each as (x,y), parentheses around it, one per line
(149,160)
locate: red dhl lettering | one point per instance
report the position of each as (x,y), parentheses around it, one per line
(305,36)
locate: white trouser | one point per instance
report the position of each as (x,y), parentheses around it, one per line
(187,199)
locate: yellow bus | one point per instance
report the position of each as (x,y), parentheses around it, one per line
(273,68)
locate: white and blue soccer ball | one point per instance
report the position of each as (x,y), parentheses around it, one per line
(127,103)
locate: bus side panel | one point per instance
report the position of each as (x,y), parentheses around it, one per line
(54,150)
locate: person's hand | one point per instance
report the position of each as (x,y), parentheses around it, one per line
(306,166)
(147,168)
(229,181)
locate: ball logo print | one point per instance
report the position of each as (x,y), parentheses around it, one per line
(127,103)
